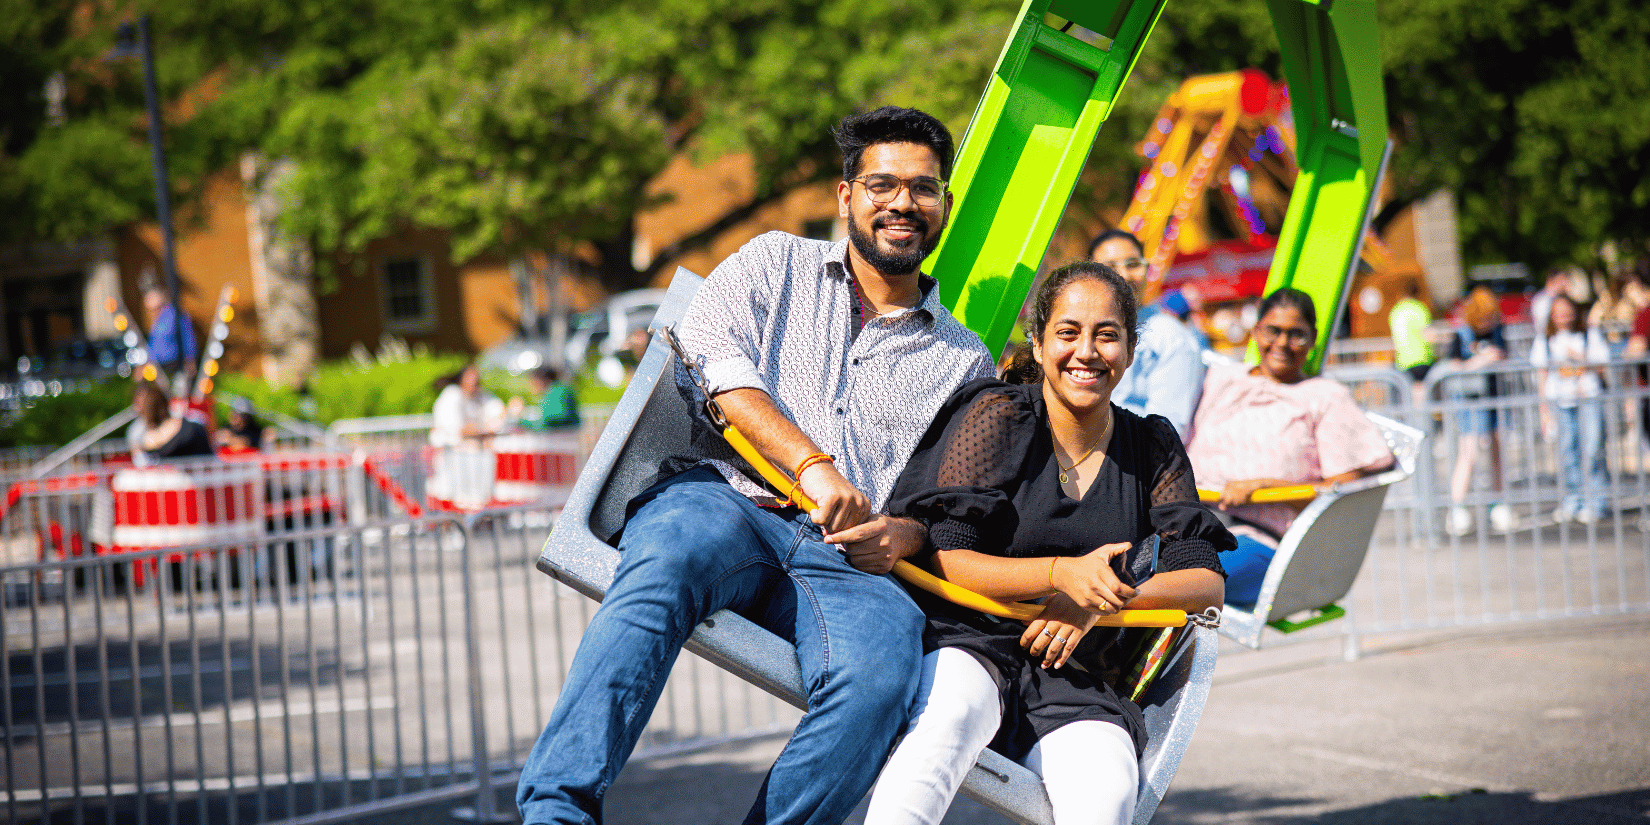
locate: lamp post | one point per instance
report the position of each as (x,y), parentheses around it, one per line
(144,47)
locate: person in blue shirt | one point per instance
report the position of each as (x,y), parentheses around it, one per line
(163,333)
(1167,374)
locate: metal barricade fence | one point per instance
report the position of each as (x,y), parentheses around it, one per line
(1504,556)
(320,675)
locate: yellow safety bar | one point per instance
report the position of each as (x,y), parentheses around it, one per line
(933,584)
(911,573)
(1268,495)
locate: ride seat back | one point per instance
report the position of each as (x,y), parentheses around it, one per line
(1319,557)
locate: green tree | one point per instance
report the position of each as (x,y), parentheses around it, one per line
(1537,114)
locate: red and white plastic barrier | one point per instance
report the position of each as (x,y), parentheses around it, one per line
(155,507)
(535,467)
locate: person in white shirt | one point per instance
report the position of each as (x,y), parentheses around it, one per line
(1167,373)
(1570,363)
(466,419)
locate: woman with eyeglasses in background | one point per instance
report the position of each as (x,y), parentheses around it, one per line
(1271,425)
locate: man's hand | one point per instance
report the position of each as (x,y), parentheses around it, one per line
(1090,581)
(876,544)
(838,505)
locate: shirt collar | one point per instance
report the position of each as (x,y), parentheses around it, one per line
(836,263)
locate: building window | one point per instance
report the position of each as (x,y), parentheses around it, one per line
(409,296)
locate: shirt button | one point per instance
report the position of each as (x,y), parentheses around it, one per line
(856,362)
(838,410)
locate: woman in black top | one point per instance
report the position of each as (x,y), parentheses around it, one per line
(163,436)
(1044,490)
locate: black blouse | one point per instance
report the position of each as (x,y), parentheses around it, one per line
(191,439)
(984,478)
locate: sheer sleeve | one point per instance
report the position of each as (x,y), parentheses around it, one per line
(1192,537)
(963,474)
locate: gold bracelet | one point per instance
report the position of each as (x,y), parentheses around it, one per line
(1051,571)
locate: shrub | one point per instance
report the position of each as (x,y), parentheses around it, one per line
(59,419)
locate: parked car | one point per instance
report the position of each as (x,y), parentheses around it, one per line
(601,331)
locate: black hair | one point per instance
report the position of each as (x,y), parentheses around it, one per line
(1023,369)
(1112,235)
(1290,297)
(891,124)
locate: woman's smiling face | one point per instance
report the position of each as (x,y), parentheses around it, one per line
(1284,337)
(1085,347)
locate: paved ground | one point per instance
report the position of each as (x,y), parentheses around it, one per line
(1532,723)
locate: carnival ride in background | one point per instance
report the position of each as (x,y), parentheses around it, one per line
(1221,170)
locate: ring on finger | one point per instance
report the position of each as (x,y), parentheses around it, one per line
(1047,632)
(1060,639)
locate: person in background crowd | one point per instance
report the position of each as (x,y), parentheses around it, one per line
(1569,359)
(1178,302)
(831,358)
(159,435)
(1541,303)
(465,414)
(1168,362)
(1411,349)
(1479,343)
(1271,425)
(164,322)
(1638,346)
(243,433)
(466,419)
(558,405)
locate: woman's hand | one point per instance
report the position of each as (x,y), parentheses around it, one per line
(1238,493)
(1054,634)
(1090,581)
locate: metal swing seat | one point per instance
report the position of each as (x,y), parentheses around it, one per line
(650,423)
(1320,554)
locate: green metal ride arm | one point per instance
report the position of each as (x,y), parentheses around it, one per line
(1052,90)
(1029,139)
(1332,62)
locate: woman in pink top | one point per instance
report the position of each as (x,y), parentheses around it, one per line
(1271,426)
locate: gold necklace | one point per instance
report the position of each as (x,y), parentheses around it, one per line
(1065,479)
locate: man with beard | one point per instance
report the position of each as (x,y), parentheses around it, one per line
(831,358)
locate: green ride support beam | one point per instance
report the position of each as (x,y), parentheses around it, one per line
(1332,62)
(1029,139)
(1052,90)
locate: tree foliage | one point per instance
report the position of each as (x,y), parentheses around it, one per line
(523,126)
(541,127)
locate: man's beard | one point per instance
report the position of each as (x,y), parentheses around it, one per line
(902,262)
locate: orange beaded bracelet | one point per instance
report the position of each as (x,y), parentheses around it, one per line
(809,462)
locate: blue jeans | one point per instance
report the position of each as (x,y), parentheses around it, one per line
(693,545)
(1246,567)
(1581,457)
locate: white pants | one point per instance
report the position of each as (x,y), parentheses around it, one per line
(1088,768)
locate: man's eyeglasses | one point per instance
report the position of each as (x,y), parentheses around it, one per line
(882,189)
(1296,336)
(1127,264)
